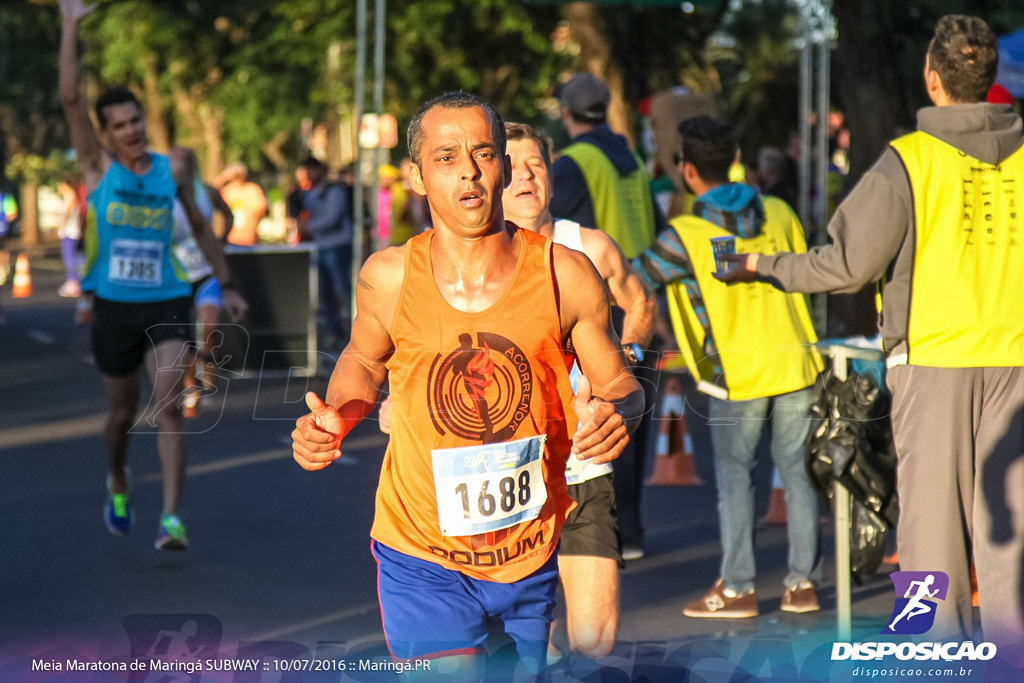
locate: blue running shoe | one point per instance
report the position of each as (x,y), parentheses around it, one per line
(117,510)
(171,535)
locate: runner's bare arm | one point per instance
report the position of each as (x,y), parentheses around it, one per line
(220,206)
(609,401)
(359,375)
(628,290)
(183,167)
(83,136)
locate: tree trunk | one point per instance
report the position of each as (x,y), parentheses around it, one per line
(875,96)
(588,30)
(211,121)
(272,150)
(29,212)
(205,126)
(153,102)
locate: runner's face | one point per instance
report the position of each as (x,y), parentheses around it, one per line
(528,195)
(461,171)
(125,130)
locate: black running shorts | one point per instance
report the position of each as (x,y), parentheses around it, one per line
(123,333)
(591,528)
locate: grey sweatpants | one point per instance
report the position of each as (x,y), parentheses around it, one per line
(959,437)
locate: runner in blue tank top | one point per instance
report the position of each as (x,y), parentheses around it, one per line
(142,304)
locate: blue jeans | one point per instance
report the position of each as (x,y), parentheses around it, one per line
(735,432)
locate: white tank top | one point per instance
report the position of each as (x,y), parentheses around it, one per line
(186,249)
(569,234)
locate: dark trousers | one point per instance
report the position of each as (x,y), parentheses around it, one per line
(335,268)
(630,467)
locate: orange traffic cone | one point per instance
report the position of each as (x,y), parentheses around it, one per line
(776,502)
(673,452)
(22,278)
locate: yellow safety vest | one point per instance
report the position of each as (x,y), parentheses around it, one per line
(623,207)
(764,336)
(967,293)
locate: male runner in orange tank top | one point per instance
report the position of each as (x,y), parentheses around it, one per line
(473,322)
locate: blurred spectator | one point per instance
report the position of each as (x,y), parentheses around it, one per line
(774,175)
(8,214)
(419,209)
(247,201)
(387,177)
(72,194)
(294,211)
(394,217)
(326,218)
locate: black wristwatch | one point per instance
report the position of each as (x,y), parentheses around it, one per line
(633,352)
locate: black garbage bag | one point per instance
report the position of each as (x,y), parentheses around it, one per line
(853,443)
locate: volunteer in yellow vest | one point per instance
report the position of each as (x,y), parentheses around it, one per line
(750,350)
(465,324)
(600,183)
(940,215)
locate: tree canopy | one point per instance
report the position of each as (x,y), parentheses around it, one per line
(243,79)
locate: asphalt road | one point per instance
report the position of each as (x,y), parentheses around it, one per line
(279,564)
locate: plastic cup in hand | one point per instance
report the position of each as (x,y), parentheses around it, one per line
(723,245)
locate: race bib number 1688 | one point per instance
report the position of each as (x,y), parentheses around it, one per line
(489,487)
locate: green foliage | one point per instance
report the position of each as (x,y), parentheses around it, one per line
(36,169)
(497,49)
(755,55)
(31,120)
(246,72)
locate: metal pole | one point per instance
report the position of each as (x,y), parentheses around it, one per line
(841,512)
(357,191)
(804,107)
(821,39)
(821,25)
(821,34)
(378,104)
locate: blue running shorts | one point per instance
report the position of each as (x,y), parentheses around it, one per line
(430,611)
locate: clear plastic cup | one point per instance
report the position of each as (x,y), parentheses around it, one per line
(723,245)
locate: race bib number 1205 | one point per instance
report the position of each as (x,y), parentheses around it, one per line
(136,263)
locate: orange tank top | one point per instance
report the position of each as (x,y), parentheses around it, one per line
(465,387)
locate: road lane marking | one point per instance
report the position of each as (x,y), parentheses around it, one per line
(42,337)
(276,634)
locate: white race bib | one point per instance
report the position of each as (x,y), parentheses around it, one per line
(136,263)
(578,471)
(191,257)
(489,487)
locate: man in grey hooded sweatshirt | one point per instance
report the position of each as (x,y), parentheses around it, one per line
(938,220)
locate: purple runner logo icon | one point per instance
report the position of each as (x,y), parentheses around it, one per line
(917,594)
